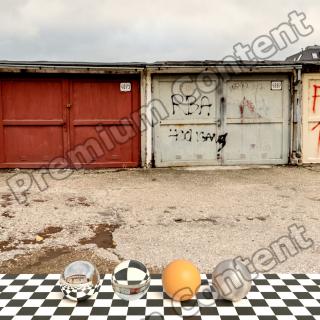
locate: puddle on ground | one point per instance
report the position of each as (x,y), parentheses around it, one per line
(103,236)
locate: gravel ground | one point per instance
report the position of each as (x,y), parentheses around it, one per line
(159,215)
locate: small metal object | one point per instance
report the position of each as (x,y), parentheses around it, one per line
(130,280)
(79,281)
(232,280)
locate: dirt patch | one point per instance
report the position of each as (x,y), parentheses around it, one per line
(78,201)
(260,218)
(48,260)
(9,245)
(39,200)
(146,223)
(7,199)
(155,270)
(29,241)
(211,220)
(8,214)
(103,236)
(49,231)
(6,246)
(45,234)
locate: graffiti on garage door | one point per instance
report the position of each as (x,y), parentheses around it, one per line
(311,118)
(192,134)
(189,135)
(314,107)
(242,120)
(190,105)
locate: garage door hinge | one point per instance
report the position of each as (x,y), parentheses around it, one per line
(69,105)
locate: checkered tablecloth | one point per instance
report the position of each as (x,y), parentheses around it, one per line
(272,296)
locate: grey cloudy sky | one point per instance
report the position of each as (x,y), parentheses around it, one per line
(142,30)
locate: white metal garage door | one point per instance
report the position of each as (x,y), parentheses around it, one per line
(242,120)
(191,134)
(257,120)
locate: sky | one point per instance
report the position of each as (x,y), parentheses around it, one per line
(143,30)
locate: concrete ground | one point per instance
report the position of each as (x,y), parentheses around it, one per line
(159,215)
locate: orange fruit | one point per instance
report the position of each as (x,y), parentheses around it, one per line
(181,280)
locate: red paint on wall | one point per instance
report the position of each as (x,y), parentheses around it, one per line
(315,96)
(241,109)
(246,103)
(314,128)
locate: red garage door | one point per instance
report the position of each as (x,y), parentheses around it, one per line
(83,122)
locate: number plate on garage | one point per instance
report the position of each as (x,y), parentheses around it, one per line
(125,86)
(276,85)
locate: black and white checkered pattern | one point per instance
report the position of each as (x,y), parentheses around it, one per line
(273,296)
(79,293)
(130,272)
